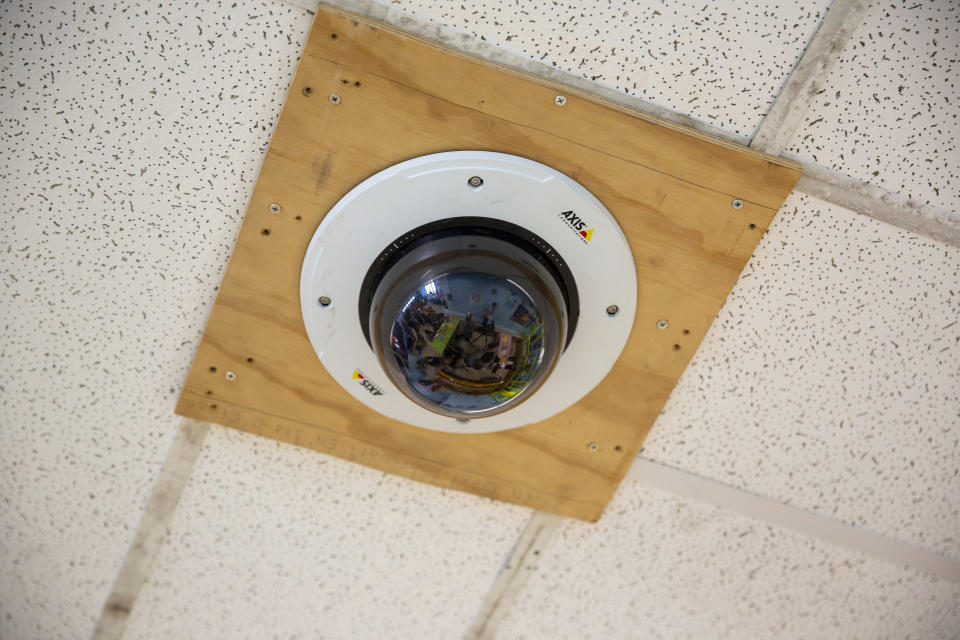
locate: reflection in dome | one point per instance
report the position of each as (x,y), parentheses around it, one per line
(468,341)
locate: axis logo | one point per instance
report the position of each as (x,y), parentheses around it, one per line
(373,389)
(577,223)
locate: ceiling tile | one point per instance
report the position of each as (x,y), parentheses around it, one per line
(830,379)
(661,566)
(273,540)
(721,63)
(890,112)
(130,138)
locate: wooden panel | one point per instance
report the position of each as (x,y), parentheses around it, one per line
(670,189)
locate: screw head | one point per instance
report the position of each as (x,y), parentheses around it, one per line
(613,310)
(662,324)
(737,204)
(324,301)
(334,98)
(275,209)
(230,375)
(593,446)
(560,100)
(475,181)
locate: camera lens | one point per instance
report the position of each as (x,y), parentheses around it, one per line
(468,325)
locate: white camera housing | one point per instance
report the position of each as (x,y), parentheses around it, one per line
(576,228)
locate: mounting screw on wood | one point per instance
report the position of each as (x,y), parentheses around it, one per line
(275,209)
(593,446)
(662,324)
(230,375)
(737,204)
(334,98)
(560,100)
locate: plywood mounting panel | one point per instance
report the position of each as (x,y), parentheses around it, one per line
(671,190)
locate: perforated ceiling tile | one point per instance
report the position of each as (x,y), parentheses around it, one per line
(129,140)
(271,540)
(722,63)
(831,377)
(891,112)
(659,566)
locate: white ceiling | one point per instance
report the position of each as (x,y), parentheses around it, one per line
(131,137)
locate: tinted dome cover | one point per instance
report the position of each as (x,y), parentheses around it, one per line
(468,325)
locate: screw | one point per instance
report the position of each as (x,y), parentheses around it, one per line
(475,181)
(613,310)
(560,100)
(334,98)
(275,209)
(230,375)
(324,301)
(737,204)
(593,446)
(662,324)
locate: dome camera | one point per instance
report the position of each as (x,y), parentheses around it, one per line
(468,291)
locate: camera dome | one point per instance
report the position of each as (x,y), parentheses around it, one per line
(469,321)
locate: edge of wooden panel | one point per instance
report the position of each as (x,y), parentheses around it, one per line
(786,163)
(393,461)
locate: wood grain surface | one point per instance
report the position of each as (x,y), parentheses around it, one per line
(670,189)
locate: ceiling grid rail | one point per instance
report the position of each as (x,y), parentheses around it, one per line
(513,576)
(152,528)
(809,77)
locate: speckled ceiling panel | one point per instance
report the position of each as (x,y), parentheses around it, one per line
(271,540)
(831,377)
(130,137)
(720,62)
(890,114)
(659,566)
